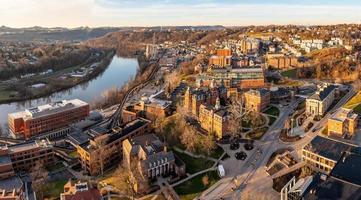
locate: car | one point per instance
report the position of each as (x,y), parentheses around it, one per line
(314,130)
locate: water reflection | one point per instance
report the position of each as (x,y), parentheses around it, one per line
(118,72)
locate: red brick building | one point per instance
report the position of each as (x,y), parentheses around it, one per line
(45,118)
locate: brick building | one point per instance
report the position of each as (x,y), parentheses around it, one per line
(193,98)
(80,191)
(101,149)
(342,122)
(223,58)
(24,156)
(147,158)
(257,100)
(243,78)
(45,118)
(214,119)
(281,61)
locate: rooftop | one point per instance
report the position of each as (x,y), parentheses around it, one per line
(328,148)
(342,114)
(333,189)
(28,145)
(48,109)
(11,183)
(348,168)
(323,92)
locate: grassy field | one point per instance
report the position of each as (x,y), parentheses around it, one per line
(272,111)
(271,120)
(193,187)
(216,153)
(194,165)
(55,167)
(53,189)
(73,154)
(292,73)
(257,133)
(355,103)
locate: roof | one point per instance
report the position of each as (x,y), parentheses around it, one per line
(333,189)
(28,146)
(48,109)
(11,183)
(323,92)
(91,194)
(328,148)
(258,92)
(348,168)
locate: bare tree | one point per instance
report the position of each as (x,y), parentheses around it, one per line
(189,138)
(39,176)
(236,113)
(208,144)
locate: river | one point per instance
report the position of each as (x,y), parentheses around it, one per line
(119,71)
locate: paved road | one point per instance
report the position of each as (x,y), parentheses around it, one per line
(253,179)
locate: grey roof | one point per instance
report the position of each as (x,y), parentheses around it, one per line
(328,148)
(334,189)
(324,93)
(5,159)
(348,168)
(11,183)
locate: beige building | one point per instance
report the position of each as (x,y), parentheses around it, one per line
(322,153)
(318,103)
(342,122)
(214,119)
(257,100)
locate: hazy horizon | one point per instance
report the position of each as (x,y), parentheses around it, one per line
(149,13)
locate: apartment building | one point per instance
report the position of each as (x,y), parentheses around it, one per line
(45,118)
(323,153)
(193,98)
(342,122)
(223,58)
(101,149)
(257,100)
(214,119)
(147,158)
(281,61)
(318,103)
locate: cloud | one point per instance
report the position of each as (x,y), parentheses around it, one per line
(74,13)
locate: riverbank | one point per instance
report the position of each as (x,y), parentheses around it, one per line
(46,84)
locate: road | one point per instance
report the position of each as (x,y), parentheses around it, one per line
(252,177)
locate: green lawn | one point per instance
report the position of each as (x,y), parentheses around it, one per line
(73,154)
(272,110)
(193,187)
(216,153)
(292,73)
(354,103)
(55,167)
(257,133)
(53,189)
(194,165)
(271,120)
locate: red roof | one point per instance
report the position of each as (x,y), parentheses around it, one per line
(91,194)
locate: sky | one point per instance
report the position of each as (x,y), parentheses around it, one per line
(99,13)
